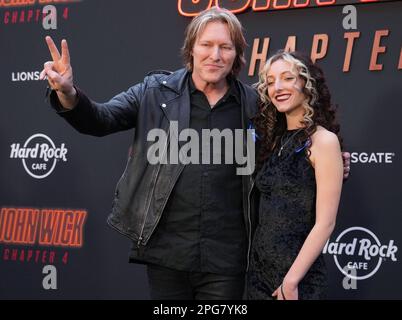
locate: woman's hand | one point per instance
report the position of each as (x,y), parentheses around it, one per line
(286,292)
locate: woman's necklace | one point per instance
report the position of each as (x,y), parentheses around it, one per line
(283,144)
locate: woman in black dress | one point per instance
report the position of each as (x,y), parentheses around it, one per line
(300,180)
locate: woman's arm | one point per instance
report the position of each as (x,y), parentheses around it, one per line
(327,161)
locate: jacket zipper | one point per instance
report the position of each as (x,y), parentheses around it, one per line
(251,187)
(249,223)
(151,193)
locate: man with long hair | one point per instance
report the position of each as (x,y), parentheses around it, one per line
(190,224)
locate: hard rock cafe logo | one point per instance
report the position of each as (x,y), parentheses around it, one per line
(39,155)
(359,254)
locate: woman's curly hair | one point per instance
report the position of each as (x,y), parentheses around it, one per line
(319,110)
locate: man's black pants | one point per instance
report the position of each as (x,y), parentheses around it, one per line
(169,284)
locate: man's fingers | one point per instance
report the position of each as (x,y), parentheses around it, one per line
(65,53)
(346,172)
(42,75)
(346,158)
(53,49)
(48,65)
(53,76)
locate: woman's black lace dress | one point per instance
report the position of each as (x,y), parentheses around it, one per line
(286,217)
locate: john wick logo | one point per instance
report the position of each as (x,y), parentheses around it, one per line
(35,11)
(27,3)
(193,7)
(39,155)
(31,235)
(46,227)
(358,253)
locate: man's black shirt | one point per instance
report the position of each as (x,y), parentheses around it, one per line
(202,227)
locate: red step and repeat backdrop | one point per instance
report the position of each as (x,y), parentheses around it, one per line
(57,186)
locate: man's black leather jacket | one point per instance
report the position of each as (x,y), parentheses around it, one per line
(143,190)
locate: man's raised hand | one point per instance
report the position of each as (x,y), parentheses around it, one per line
(60,74)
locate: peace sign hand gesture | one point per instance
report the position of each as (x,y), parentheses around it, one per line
(60,74)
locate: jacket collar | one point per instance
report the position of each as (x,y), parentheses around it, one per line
(177,81)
